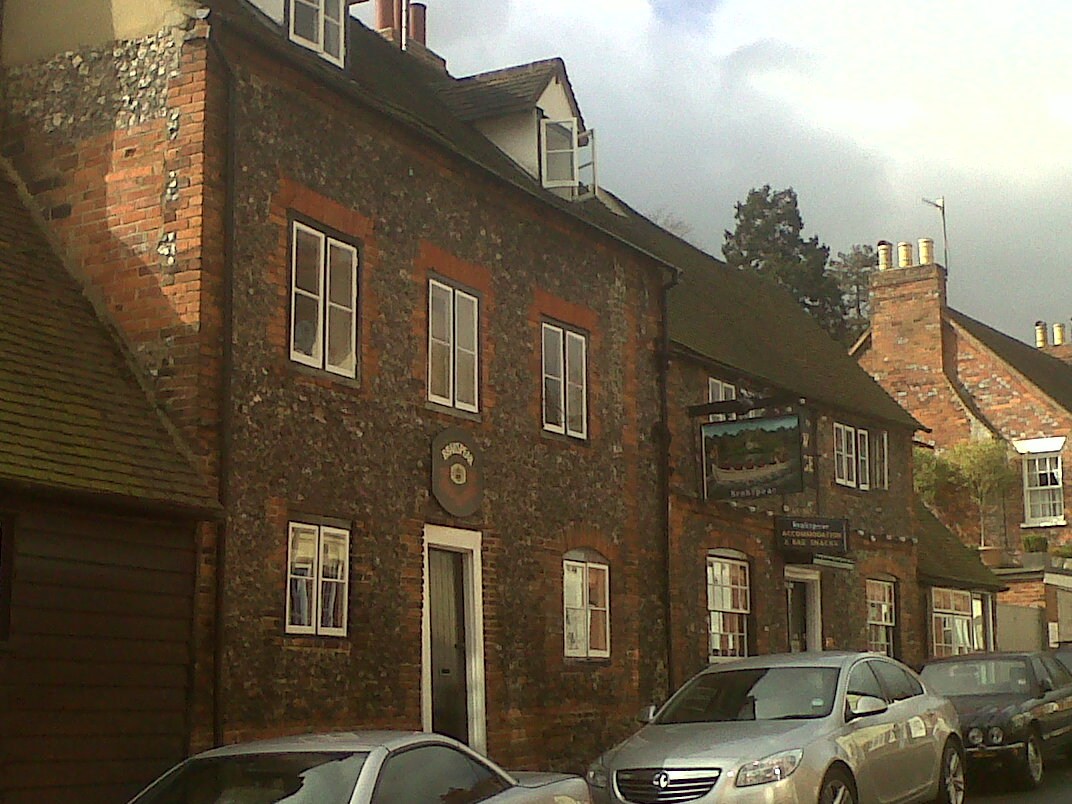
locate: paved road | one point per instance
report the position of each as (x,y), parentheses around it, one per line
(1056,788)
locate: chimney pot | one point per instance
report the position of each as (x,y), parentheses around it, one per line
(1040,334)
(926,251)
(885,255)
(1059,334)
(389,16)
(418,22)
(904,254)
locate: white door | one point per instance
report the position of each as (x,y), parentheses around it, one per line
(804,608)
(452,636)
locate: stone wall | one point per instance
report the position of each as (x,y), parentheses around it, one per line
(308,443)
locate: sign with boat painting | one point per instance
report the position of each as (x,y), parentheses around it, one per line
(750,458)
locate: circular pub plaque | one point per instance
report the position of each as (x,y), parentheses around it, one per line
(457,472)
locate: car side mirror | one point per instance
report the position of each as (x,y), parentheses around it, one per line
(1046,685)
(867,705)
(647,714)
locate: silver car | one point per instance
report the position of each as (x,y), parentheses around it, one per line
(370,767)
(792,728)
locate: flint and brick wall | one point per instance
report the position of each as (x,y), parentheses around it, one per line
(307,443)
(881,528)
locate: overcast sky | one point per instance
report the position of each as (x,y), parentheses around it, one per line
(864,108)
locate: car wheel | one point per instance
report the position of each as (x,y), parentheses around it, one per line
(1032,768)
(951,776)
(837,788)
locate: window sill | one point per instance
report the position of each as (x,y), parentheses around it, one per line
(587,661)
(1052,523)
(438,407)
(562,438)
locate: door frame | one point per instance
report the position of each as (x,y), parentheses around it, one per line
(468,543)
(812,578)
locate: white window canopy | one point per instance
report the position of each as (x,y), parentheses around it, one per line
(1035,446)
(568,156)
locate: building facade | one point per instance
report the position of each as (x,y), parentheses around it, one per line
(966,381)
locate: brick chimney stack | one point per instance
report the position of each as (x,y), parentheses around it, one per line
(908,338)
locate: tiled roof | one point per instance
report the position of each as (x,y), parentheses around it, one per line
(1050,374)
(944,560)
(73,418)
(513,89)
(745,322)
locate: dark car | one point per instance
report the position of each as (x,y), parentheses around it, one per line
(1015,708)
(1063,652)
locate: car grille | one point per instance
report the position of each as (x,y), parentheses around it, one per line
(665,785)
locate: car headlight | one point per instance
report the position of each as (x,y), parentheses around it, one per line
(975,735)
(597,775)
(994,735)
(769,769)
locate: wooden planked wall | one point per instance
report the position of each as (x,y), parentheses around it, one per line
(95,674)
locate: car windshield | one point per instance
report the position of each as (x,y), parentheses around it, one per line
(1004,676)
(301,777)
(762,693)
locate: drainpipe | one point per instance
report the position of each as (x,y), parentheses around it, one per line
(663,357)
(226,433)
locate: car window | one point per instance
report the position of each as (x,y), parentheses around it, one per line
(898,682)
(435,774)
(1060,675)
(862,681)
(1041,673)
(761,693)
(999,675)
(1063,654)
(299,777)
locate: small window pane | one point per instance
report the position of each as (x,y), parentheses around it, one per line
(442,320)
(573,591)
(306,20)
(307,260)
(302,575)
(552,403)
(597,636)
(575,632)
(466,367)
(341,274)
(333,10)
(307,325)
(560,166)
(439,379)
(597,586)
(559,136)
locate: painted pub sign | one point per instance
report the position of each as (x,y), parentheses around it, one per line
(750,458)
(457,472)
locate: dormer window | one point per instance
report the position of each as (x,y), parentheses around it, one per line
(567,156)
(319,26)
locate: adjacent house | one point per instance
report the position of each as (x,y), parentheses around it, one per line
(100,507)
(965,380)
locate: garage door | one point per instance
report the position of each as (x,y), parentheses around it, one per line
(95,672)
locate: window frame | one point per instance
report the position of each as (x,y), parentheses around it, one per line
(454,348)
(316,628)
(881,462)
(1030,489)
(721,391)
(323,22)
(546,151)
(586,566)
(745,612)
(845,461)
(326,243)
(565,334)
(863,459)
(886,604)
(952,615)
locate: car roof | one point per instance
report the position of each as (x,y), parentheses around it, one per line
(982,655)
(336,741)
(825,658)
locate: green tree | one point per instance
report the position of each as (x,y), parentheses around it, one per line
(768,240)
(852,271)
(981,468)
